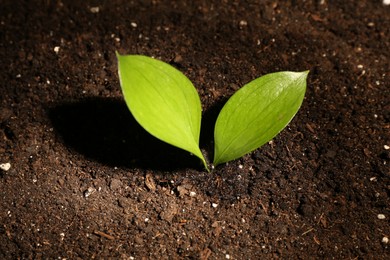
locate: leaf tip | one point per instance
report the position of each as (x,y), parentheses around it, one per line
(303,75)
(299,75)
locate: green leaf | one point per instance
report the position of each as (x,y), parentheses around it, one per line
(162,100)
(256,113)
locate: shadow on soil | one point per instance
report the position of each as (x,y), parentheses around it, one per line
(209,118)
(104,130)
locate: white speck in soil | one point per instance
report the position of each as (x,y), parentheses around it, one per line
(386,2)
(5,166)
(243,23)
(214,205)
(227,256)
(133,24)
(56,49)
(240,166)
(94,10)
(192,194)
(385,240)
(386,147)
(381,216)
(89,192)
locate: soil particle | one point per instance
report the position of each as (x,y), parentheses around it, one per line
(149,182)
(169,211)
(88,192)
(115,184)
(5,166)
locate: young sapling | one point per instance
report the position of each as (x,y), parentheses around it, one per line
(166,104)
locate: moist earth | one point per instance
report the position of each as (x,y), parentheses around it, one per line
(81,179)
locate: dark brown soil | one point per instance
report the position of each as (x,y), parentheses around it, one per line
(87,182)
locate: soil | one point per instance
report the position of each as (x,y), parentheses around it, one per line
(86,181)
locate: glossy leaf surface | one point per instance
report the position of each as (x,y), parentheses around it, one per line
(256,113)
(162,100)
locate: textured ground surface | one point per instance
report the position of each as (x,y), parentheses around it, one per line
(86,181)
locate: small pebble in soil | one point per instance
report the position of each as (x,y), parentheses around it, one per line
(214,205)
(381,216)
(56,49)
(133,24)
(386,2)
(240,166)
(385,240)
(5,166)
(386,147)
(227,256)
(115,184)
(192,194)
(182,190)
(94,10)
(149,182)
(89,192)
(243,23)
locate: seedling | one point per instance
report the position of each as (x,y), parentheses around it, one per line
(166,104)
